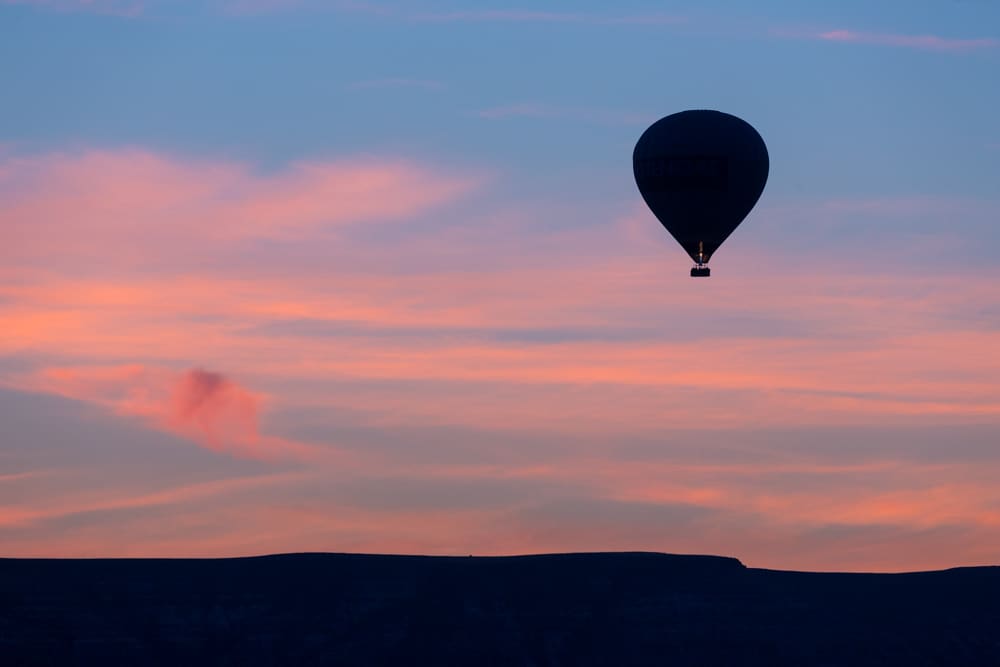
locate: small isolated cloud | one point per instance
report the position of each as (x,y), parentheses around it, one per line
(926,42)
(213,408)
(206,407)
(111,7)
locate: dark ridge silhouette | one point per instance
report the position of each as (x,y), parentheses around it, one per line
(572,609)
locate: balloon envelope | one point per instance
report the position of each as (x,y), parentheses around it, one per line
(700,172)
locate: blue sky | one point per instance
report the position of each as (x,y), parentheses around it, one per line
(312,79)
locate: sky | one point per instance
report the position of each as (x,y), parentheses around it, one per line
(354,276)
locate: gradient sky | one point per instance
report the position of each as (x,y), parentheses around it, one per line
(375,277)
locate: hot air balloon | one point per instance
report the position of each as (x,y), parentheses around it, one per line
(700,172)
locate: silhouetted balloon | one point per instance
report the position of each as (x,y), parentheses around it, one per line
(700,172)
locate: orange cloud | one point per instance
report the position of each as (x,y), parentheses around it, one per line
(872,514)
(854,348)
(534,356)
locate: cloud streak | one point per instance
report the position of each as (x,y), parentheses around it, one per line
(925,42)
(110,502)
(525,16)
(123,8)
(538,110)
(509,15)
(522,322)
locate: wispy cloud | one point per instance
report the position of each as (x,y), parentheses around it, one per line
(479,381)
(19,476)
(528,16)
(111,501)
(539,110)
(927,42)
(525,320)
(74,204)
(402,12)
(126,8)
(768,512)
(510,15)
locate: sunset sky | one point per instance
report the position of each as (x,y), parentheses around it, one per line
(283,275)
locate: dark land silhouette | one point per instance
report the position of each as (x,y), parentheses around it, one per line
(572,609)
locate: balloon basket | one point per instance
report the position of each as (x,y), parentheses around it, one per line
(700,272)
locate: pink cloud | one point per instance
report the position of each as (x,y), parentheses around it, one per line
(114,204)
(200,405)
(771,508)
(559,316)
(885,516)
(928,42)
(479,330)
(215,408)
(18,476)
